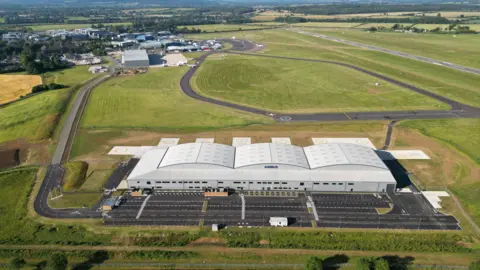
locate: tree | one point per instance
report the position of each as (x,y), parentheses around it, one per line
(474,266)
(58,261)
(381,264)
(439,15)
(16,263)
(314,263)
(363,264)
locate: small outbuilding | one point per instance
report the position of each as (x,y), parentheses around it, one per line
(279,221)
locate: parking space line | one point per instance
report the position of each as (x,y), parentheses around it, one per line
(312,205)
(243,205)
(143,206)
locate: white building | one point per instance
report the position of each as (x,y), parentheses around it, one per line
(262,166)
(135,59)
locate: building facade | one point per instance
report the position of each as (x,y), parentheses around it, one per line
(262,166)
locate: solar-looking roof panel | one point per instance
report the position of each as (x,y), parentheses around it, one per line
(321,155)
(361,155)
(252,154)
(182,153)
(216,154)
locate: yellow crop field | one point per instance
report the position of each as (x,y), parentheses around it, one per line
(14,86)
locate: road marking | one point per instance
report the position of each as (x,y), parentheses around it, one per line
(143,206)
(347,116)
(312,205)
(243,205)
(285,118)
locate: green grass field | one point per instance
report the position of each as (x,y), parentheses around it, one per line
(70,76)
(457,85)
(44,27)
(75,200)
(293,86)
(462,49)
(327,24)
(18,228)
(460,175)
(34,118)
(154,101)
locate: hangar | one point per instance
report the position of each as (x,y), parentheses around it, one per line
(336,167)
(135,58)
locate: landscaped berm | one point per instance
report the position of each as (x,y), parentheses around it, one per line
(14,86)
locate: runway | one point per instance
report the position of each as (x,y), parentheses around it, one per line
(458,110)
(392,52)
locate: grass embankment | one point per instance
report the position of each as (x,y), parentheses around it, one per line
(75,175)
(34,118)
(457,85)
(14,86)
(154,101)
(299,86)
(70,77)
(459,173)
(458,49)
(82,186)
(18,228)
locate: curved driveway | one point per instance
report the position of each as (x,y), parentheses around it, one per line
(242,47)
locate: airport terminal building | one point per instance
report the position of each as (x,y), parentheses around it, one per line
(262,166)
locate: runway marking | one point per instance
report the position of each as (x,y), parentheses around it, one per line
(347,116)
(143,206)
(285,118)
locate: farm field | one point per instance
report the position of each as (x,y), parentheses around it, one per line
(292,86)
(34,118)
(461,49)
(378,25)
(475,27)
(223,27)
(460,86)
(14,86)
(154,101)
(44,27)
(459,173)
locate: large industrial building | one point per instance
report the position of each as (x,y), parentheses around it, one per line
(135,59)
(262,166)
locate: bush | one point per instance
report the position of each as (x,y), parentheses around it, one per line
(474,266)
(314,263)
(45,87)
(381,264)
(363,264)
(167,239)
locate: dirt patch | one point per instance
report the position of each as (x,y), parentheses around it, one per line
(300,135)
(208,241)
(22,152)
(263,242)
(9,158)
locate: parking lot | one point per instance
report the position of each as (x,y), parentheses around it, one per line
(332,210)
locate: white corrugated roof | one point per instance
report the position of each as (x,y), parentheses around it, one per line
(322,155)
(204,153)
(135,55)
(216,154)
(264,153)
(149,162)
(359,158)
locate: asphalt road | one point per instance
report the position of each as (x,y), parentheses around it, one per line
(396,53)
(458,110)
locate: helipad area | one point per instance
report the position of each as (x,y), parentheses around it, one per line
(340,167)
